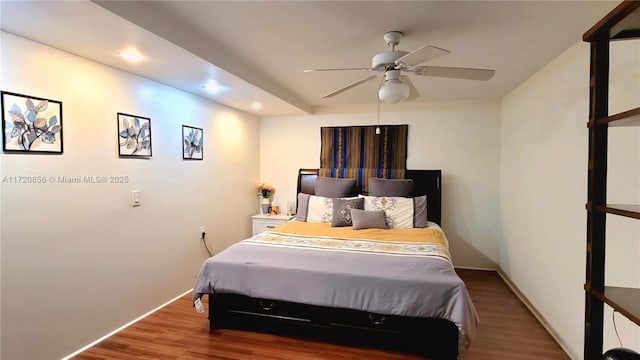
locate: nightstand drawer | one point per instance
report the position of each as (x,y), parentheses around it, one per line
(263,223)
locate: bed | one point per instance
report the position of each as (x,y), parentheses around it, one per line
(335,284)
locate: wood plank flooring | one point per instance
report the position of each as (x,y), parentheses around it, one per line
(507,331)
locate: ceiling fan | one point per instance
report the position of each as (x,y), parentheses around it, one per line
(397,87)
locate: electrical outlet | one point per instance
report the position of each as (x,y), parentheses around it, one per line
(202,228)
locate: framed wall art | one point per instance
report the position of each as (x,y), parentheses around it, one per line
(31,124)
(192,139)
(134,136)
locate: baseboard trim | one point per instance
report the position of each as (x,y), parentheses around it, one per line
(125,326)
(537,315)
(474,268)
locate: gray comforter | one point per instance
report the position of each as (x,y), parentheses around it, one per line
(390,284)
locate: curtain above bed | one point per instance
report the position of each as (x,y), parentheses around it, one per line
(357,152)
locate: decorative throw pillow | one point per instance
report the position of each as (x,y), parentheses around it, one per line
(398,211)
(320,209)
(303,207)
(363,219)
(342,210)
(420,211)
(335,188)
(391,187)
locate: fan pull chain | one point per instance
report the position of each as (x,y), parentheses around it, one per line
(378,127)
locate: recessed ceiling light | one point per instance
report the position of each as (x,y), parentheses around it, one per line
(131,55)
(256,105)
(212,87)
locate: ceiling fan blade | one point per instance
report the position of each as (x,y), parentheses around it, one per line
(454,72)
(339,69)
(413,92)
(422,54)
(350,86)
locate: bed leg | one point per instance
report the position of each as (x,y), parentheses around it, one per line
(211,317)
(448,345)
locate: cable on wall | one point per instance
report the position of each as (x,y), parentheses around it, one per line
(204,242)
(613,315)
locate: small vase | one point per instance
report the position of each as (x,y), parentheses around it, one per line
(265,203)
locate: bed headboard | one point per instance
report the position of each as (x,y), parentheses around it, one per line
(427,182)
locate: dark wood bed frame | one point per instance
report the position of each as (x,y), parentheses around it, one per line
(433,337)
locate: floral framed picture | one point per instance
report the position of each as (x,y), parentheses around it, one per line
(31,124)
(192,139)
(134,136)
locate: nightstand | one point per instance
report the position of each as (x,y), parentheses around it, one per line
(264,222)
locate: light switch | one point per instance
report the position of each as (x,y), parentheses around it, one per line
(135,198)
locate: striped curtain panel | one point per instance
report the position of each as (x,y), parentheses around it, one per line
(357,152)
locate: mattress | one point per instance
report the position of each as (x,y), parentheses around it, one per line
(404,272)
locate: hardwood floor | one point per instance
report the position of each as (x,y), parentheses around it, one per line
(507,328)
(507,331)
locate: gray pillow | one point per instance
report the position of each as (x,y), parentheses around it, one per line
(420,211)
(342,210)
(390,187)
(368,219)
(303,206)
(335,188)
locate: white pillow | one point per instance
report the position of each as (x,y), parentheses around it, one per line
(320,209)
(398,211)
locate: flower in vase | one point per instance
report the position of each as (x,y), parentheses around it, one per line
(265,190)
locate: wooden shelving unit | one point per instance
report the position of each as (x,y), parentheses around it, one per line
(622,23)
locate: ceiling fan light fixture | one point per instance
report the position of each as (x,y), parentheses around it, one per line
(397,87)
(393,91)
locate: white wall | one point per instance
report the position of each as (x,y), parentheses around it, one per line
(77,260)
(543,189)
(461,138)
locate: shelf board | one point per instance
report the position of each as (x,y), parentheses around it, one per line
(623,22)
(625,300)
(627,118)
(626,210)
(627,28)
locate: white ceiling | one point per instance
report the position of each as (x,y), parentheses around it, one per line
(259,49)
